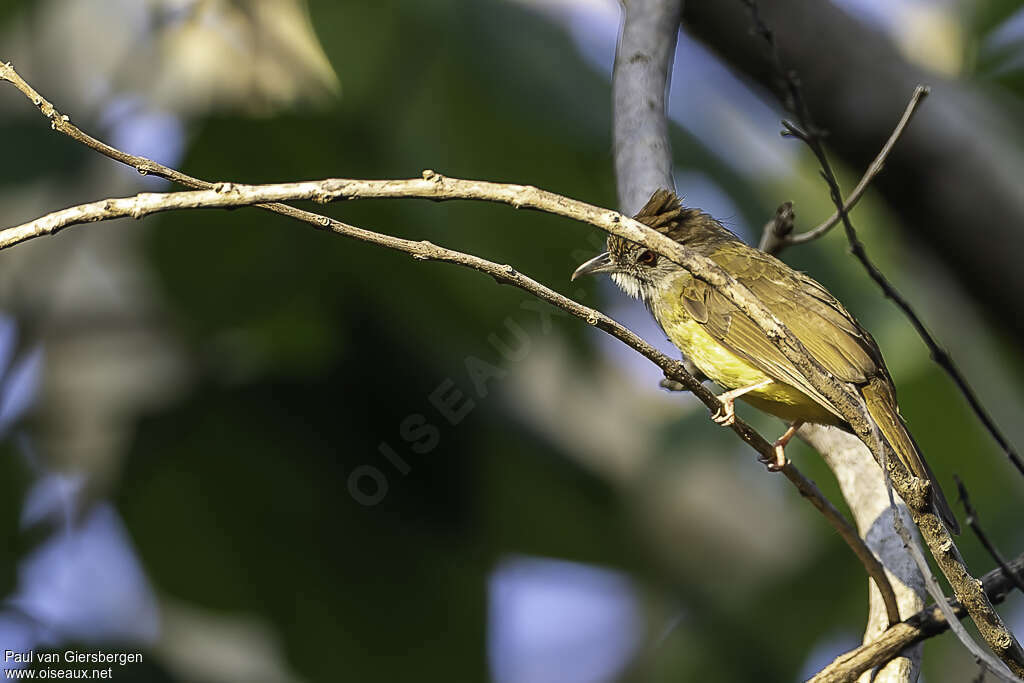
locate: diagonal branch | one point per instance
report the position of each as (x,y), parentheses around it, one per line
(421,250)
(229,195)
(776,237)
(434,186)
(927,623)
(972,521)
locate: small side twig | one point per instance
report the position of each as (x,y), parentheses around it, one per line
(972,521)
(779,235)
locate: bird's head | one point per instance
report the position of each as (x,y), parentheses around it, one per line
(637,270)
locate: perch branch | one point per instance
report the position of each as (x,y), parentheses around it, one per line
(249,195)
(437,187)
(225,194)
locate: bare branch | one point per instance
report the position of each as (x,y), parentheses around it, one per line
(920,92)
(775,239)
(676,372)
(990,625)
(927,623)
(972,521)
(640,79)
(862,483)
(437,187)
(228,195)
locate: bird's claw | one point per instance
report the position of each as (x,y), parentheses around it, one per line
(725,415)
(777,461)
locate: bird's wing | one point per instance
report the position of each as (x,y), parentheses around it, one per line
(808,311)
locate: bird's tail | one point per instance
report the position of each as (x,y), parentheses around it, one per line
(881,404)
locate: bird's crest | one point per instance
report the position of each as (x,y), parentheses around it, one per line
(664,212)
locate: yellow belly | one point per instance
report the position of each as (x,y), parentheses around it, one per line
(730,371)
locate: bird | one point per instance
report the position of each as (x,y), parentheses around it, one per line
(731,350)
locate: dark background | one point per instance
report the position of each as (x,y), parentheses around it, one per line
(194,405)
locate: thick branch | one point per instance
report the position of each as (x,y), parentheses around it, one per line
(863,485)
(643,64)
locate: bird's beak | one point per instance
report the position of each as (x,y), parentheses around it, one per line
(602,263)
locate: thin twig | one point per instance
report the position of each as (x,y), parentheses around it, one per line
(794,103)
(972,521)
(990,624)
(927,623)
(775,240)
(226,194)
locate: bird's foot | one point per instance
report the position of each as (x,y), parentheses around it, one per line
(778,459)
(726,413)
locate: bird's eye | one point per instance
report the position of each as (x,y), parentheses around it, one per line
(648,258)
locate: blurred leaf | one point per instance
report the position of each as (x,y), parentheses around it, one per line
(17,478)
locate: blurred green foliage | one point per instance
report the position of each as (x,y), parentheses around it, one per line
(311,350)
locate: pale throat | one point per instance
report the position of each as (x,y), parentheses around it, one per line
(635,287)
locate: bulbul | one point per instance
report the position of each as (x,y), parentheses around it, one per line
(732,351)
